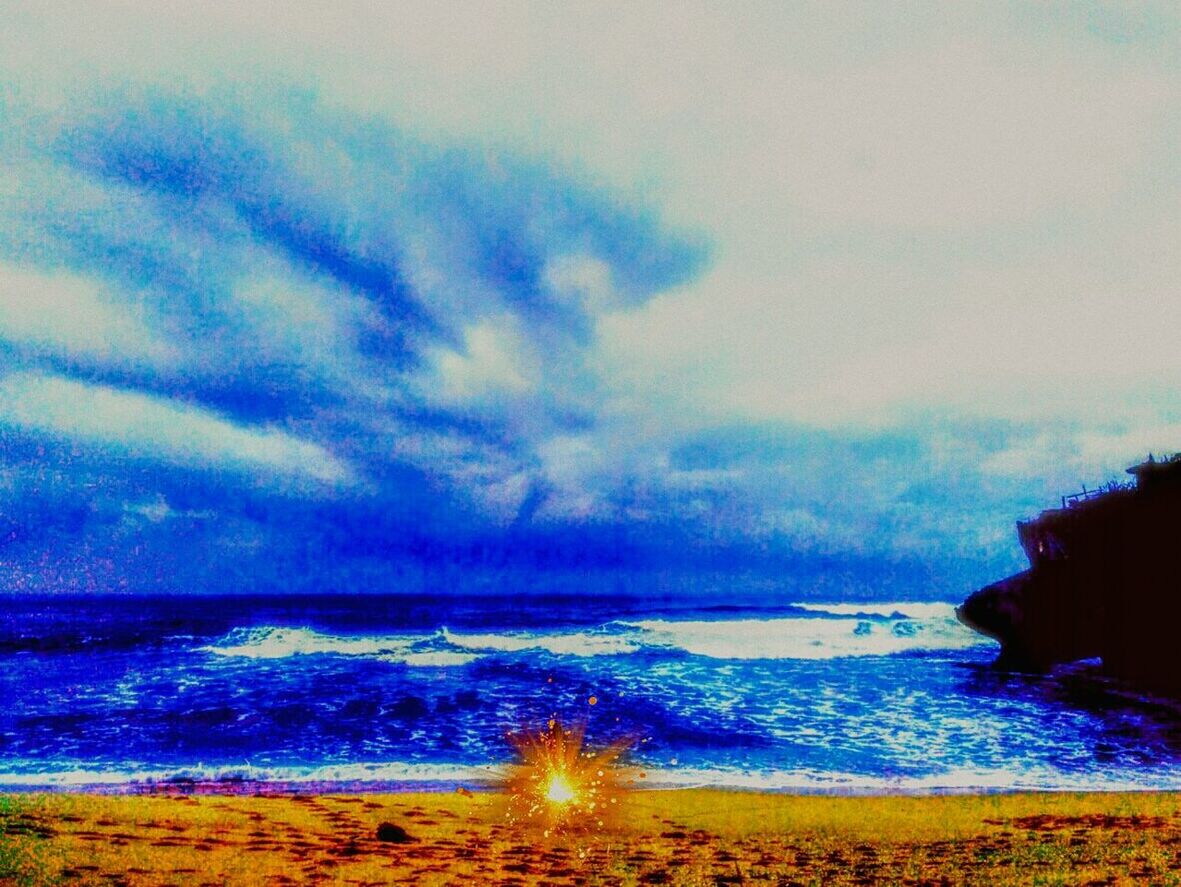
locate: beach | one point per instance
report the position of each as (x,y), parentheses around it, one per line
(323,740)
(657,837)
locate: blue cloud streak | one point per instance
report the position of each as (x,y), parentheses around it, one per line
(342,353)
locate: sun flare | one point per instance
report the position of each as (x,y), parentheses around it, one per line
(560,791)
(560,785)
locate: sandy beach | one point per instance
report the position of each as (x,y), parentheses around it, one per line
(658,837)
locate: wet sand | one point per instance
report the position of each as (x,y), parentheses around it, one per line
(658,837)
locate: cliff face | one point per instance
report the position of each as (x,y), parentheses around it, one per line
(1104,581)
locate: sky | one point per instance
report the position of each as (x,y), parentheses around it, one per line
(815,299)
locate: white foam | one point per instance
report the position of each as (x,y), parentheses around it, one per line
(882,632)
(434,658)
(950,781)
(910,610)
(579,643)
(380,775)
(804,638)
(372,773)
(271,642)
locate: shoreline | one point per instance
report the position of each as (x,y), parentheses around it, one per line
(686,836)
(267,788)
(491,783)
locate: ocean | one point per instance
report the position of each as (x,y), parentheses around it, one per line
(420,691)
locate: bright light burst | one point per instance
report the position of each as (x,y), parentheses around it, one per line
(559,785)
(560,791)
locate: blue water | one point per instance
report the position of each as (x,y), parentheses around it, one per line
(389,690)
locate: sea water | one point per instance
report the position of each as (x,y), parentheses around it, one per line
(388,691)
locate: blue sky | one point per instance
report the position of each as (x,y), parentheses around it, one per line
(818,298)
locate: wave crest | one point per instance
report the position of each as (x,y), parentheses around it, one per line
(807,638)
(835,631)
(579,644)
(272,642)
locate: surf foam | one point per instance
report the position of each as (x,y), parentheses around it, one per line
(795,638)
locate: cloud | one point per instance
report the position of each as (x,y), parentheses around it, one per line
(490,364)
(146,427)
(335,306)
(70,317)
(793,290)
(962,135)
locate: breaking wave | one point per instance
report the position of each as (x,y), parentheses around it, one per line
(581,643)
(272,642)
(794,638)
(835,631)
(911,610)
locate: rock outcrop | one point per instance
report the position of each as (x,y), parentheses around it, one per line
(1104,582)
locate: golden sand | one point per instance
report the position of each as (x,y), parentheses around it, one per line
(658,837)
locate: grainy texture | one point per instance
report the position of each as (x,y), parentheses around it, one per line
(674,837)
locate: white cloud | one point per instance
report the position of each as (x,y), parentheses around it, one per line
(158,510)
(1073,453)
(1086,333)
(584,280)
(71,316)
(865,173)
(144,426)
(964,134)
(299,323)
(495,362)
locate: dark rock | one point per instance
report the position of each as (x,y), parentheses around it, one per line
(293,716)
(360,708)
(467,699)
(1103,583)
(393,834)
(409,708)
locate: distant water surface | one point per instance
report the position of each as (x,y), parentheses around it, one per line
(398,690)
